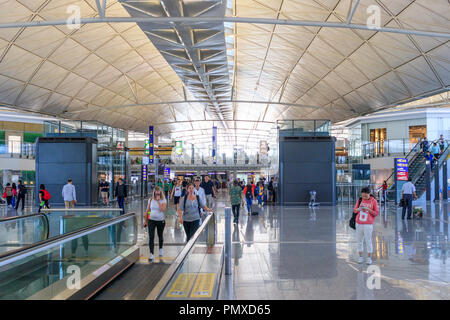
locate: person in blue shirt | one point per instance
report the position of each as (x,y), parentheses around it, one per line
(435,150)
(428,156)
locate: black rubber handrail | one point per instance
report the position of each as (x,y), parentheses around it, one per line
(47,223)
(65,235)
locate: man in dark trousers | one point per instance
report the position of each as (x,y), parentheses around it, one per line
(408,192)
(22,191)
(121,194)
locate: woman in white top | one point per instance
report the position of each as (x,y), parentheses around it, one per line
(154,218)
(176,193)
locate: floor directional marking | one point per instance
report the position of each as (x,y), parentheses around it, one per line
(182,286)
(203,287)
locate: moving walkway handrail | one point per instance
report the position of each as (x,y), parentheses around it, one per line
(80,209)
(47,224)
(42,245)
(178,262)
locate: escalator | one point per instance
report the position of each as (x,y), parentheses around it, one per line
(51,268)
(19,232)
(99,261)
(416,171)
(194,274)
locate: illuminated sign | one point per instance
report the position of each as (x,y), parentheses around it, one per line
(150,144)
(214,145)
(166,172)
(402,169)
(146,147)
(144,173)
(145,160)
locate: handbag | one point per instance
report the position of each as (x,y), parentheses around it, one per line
(352,222)
(401,203)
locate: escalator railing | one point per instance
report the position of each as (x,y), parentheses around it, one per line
(186,269)
(43,270)
(21,231)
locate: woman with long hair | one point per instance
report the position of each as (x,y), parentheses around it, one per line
(366,209)
(155,219)
(189,211)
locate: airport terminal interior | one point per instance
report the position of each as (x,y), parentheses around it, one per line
(224,150)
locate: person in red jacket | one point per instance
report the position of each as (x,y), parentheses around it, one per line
(249,194)
(366,209)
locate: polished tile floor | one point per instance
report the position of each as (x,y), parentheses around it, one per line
(304,253)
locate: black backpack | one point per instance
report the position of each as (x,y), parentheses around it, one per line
(352,222)
(248,193)
(198,205)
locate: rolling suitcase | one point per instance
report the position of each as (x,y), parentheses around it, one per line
(255,208)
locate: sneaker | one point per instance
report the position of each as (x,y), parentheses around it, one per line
(150,259)
(360,260)
(368,260)
(161,252)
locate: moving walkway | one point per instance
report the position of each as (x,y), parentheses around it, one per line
(58,268)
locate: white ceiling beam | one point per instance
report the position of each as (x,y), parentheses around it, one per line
(352,13)
(198,20)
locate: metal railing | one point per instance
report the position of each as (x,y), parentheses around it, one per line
(388,147)
(16,149)
(209,226)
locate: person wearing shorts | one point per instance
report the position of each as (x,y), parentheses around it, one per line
(104,191)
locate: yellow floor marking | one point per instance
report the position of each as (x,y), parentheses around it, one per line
(204,285)
(182,286)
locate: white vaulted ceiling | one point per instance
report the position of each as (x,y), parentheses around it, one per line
(116,73)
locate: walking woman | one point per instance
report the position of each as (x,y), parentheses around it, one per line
(155,218)
(44,196)
(176,194)
(366,209)
(189,211)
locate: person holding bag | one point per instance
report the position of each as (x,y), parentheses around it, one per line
(366,209)
(155,219)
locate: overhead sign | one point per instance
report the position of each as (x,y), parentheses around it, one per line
(167,172)
(214,145)
(144,173)
(179,148)
(150,144)
(145,160)
(146,147)
(402,169)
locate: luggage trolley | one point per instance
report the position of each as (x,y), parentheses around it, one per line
(312,199)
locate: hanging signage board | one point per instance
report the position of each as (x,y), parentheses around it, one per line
(144,173)
(402,169)
(166,172)
(150,144)
(214,145)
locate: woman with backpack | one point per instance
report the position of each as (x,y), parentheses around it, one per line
(189,211)
(8,194)
(44,196)
(155,219)
(249,194)
(366,209)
